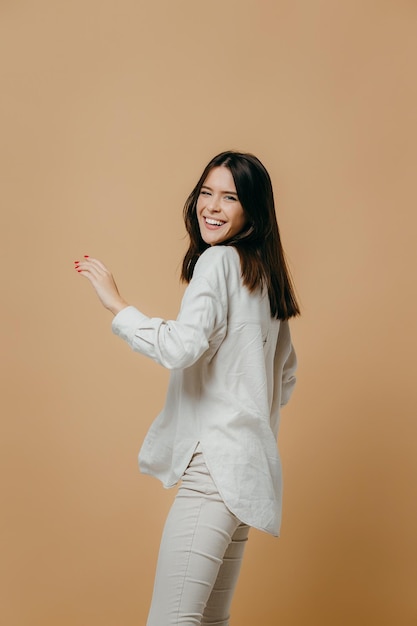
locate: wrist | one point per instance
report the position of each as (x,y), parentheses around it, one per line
(116,307)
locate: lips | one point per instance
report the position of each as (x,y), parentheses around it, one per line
(212,223)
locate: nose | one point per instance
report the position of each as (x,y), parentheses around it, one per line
(213,204)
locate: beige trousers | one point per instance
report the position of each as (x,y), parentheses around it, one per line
(200,555)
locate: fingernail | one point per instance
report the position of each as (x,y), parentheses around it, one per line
(76,261)
(79,270)
(86,256)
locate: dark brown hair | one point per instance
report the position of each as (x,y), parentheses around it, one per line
(259,245)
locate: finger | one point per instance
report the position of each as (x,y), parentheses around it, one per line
(88,274)
(89,263)
(91,270)
(95,262)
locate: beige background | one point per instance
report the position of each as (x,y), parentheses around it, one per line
(109,111)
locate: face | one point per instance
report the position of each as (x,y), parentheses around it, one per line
(219,212)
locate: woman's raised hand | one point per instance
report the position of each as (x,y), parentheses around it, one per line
(103,282)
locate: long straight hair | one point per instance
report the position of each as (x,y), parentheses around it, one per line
(262,257)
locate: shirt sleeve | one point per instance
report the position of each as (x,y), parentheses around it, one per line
(177,344)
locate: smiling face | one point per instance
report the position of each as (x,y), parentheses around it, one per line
(219,212)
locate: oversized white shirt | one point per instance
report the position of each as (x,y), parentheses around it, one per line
(232,369)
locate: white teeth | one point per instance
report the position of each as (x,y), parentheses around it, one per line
(213,222)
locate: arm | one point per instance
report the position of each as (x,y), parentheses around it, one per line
(179,343)
(175,344)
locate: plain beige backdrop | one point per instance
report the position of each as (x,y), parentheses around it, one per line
(109,111)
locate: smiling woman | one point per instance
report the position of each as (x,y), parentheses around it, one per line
(233,204)
(217,432)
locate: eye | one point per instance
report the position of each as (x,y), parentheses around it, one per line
(232,198)
(204,192)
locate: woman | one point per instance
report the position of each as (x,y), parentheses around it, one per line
(233,367)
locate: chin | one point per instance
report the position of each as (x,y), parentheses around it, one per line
(213,241)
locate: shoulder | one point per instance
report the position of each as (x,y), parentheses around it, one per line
(219,268)
(217,260)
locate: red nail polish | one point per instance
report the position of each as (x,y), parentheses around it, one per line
(79,270)
(86,256)
(76,261)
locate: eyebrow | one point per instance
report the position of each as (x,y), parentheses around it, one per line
(232,193)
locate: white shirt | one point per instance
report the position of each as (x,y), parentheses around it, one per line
(232,369)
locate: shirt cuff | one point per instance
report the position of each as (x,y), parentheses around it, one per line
(126,322)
